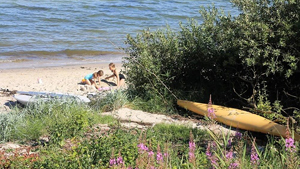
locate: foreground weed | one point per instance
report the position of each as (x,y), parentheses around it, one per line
(57,119)
(7,124)
(18,159)
(112,101)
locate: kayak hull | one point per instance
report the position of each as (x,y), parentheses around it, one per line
(26,98)
(238,118)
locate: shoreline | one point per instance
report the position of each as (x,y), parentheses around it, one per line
(57,79)
(57,62)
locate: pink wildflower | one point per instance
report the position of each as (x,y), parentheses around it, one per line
(211,111)
(120,160)
(142,147)
(150,153)
(289,144)
(159,157)
(238,135)
(229,155)
(213,159)
(254,155)
(166,154)
(112,162)
(208,153)
(192,147)
(233,165)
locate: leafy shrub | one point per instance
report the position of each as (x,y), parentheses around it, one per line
(236,59)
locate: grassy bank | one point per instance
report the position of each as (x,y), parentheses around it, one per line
(75,142)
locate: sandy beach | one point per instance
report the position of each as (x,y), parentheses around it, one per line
(63,79)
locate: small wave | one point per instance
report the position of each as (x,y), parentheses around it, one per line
(56,20)
(39,8)
(67,52)
(13,60)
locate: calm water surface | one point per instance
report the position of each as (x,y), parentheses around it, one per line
(54,30)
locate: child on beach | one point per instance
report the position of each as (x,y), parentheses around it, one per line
(89,79)
(120,77)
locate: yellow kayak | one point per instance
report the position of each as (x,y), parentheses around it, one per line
(238,118)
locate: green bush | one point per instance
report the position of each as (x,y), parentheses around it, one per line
(237,59)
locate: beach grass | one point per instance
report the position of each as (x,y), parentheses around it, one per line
(59,120)
(161,146)
(112,101)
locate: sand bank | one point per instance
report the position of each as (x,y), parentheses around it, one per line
(63,79)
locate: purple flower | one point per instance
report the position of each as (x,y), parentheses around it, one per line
(254,156)
(211,113)
(238,135)
(192,145)
(289,144)
(159,157)
(166,154)
(233,165)
(142,147)
(120,160)
(208,153)
(150,153)
(112,162)
(191,155)
(229,155)
(214,160)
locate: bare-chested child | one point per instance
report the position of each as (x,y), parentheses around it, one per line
(120,77)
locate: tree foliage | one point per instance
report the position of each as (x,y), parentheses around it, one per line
(248,60)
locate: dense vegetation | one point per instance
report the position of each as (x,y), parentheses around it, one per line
(250,60)
(77,140)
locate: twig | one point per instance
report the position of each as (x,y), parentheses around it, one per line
(295,108)
(291,95)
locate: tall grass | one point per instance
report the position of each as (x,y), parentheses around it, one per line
(56,119)
(112,101)
(7,124)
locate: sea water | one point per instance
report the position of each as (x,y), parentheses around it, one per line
(53,32)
